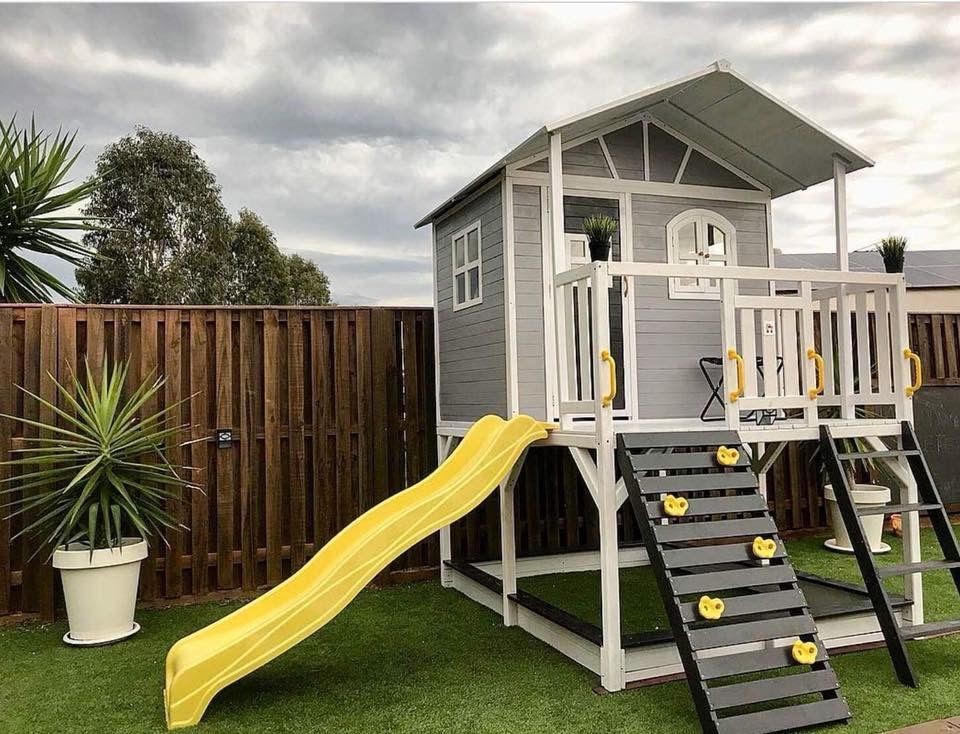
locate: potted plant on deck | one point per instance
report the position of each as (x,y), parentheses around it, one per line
(892,251)
(599,230)
(92,489)
(864,494)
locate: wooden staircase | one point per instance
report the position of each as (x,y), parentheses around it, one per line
(743,680)
(873,575)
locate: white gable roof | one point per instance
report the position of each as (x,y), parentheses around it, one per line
(725,113)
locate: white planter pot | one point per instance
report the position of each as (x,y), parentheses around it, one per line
(100,590)
(864,495)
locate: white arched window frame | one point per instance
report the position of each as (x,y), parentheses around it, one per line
(699,237)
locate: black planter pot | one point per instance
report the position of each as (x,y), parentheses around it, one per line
(599,251)
(892,267)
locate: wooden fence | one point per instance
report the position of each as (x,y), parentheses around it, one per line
(330,410)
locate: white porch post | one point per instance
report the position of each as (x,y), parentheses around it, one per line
(444,447)
(611,653)
(844,331)
(508,542)
(559,259)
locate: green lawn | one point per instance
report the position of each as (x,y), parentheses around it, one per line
(418,658)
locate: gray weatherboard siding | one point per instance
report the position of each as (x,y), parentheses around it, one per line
(472,341)
(672,334)
(528,258)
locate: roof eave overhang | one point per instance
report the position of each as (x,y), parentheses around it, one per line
(783,168)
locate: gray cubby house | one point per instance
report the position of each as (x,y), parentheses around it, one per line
(689,335)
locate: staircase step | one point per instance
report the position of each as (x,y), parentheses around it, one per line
(741,578)
(742,606)
(701,506)
(677,532)
(671,439)
(894,509)
(931,629)
(891,454)
(772,689)
(721,666)
(663,462)
(709,555)
(787,718)
(698,482)
(903,568)
(724,635)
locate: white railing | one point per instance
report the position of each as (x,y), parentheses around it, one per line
(858,360)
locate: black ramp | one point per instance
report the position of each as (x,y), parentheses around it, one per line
(709,551)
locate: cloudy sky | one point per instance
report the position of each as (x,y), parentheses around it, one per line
(342,124)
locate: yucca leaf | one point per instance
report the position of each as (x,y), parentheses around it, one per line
(106,473)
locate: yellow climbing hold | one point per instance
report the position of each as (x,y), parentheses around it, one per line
(727,457)
(764,547)
(804,653)
(710,608)
(675,506)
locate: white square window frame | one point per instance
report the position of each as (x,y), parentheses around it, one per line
(701,218)
(467,266)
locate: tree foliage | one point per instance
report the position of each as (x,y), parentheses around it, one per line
(174,241)
(34,194)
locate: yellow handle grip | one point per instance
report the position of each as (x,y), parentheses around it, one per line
(607,400)
(918,371)
(818,361)
(741,379)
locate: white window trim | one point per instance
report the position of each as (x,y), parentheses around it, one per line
(467,265)
(702,217)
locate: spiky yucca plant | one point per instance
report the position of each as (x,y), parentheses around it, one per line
(892,250)
(34,195)
(599,228)
(101,474)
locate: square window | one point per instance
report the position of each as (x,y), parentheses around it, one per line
(467,267)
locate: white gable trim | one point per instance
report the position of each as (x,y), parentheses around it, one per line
(647,119)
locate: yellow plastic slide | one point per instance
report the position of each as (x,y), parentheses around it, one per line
(202,664)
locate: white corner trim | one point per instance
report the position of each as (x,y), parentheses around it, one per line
(646,149)
(510,300)
(549,313)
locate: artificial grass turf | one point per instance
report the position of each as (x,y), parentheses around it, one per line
(419,658)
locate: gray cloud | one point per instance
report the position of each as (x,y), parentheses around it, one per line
(342,124)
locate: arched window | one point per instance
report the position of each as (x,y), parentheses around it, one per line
(699,237)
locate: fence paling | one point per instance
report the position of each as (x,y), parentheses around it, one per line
(331,410)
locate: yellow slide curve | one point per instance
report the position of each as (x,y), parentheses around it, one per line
(204,663)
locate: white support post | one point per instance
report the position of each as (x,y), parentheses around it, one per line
(912,583)
(611,652)
(808,371)
(508,542)
(728,336)
(444,448)
(844,331)
(559,258)
(900,335)
(840,212)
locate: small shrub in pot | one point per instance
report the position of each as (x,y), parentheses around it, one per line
(892,249)
(599,229)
